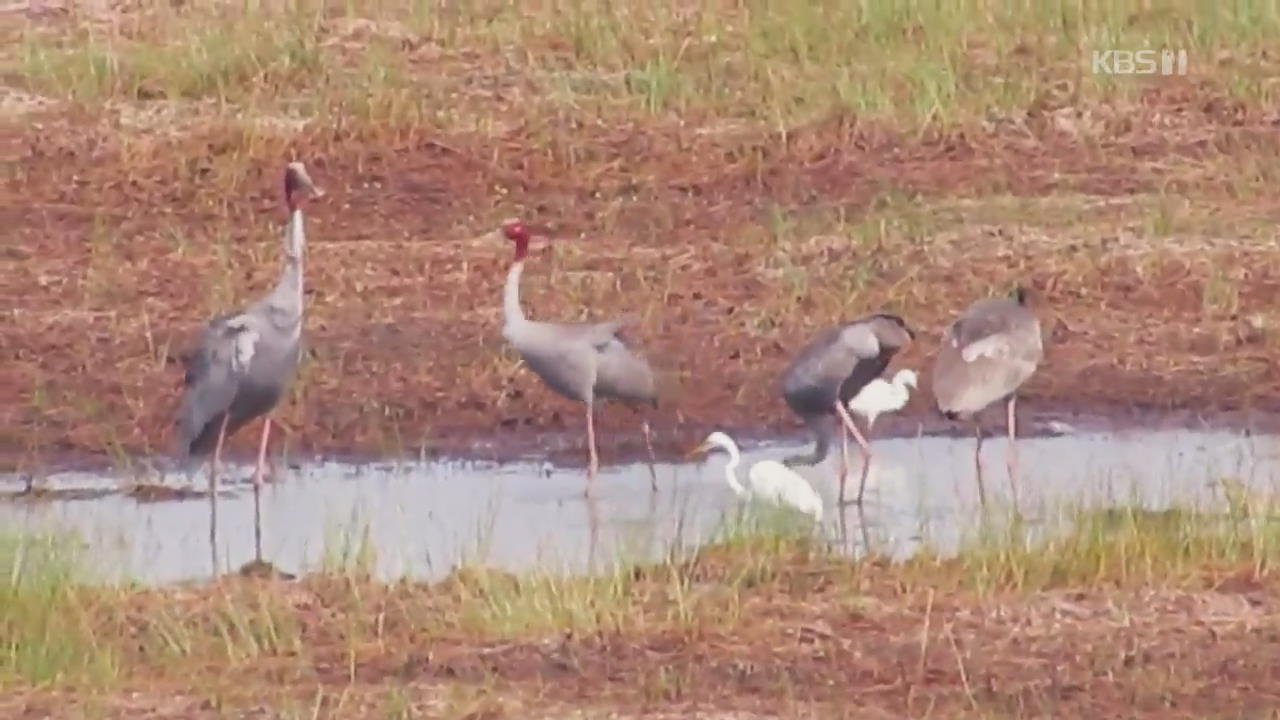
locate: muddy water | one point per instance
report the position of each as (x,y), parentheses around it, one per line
(423,519)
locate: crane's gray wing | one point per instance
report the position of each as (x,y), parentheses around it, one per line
(997,329)
(859,341)
(976,329)
(559,355)
(836,363)
(986,354)
(583,360)
(619,370)
(824,362)
(870,357)
(623,373)
(599,335)
(214,373)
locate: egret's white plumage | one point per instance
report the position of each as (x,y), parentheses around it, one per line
(883,396)
(768,481)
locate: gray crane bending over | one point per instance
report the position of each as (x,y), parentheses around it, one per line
(829,371)
(986,355)
(581,361)
(245,362)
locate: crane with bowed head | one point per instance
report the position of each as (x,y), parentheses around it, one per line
(990,350)
(830,371)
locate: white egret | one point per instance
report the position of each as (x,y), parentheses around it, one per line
(768,481)
(874,399)
(883,396)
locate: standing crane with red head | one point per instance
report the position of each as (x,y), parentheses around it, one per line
(585,361)
(245,362)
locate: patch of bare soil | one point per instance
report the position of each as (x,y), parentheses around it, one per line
(803,647)
(119,249)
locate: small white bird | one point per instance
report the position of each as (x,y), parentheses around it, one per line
(883,396)
(874,399)
(768,481)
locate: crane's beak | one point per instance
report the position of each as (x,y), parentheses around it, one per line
(698,451)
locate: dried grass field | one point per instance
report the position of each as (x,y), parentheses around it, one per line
(735,175)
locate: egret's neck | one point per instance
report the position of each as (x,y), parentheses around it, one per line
(731,467)
(904,385)
(511,295)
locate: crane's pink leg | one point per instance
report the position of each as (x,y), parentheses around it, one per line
(593,461)
(865,447)
(977,461)
(257,490)
(273,472)
(862,480)
(593,527)
(853,428)
(844,462)
(648,446)
(214,467)
(1011,459)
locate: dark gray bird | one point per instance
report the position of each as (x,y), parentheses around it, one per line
(986,355)
(246,361)
(581,361)
(829,372)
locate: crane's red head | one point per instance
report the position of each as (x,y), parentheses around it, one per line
(517,232)
(297,183)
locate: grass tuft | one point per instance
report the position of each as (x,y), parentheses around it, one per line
(48,619)
(1124,546)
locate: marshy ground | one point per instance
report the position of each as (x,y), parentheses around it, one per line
(734,176)
(1135,615)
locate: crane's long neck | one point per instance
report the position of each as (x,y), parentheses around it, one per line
(731,467)
(287,295)
(511,295)
(822,431)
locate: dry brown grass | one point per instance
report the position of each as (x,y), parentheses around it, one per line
(792,636)
(144,198)
(1129,611)
(736,175)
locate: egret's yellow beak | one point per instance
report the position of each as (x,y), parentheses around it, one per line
(700,450)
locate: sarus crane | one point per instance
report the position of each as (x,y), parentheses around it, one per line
(584,361)
(245,362)
(829,372)
(986,355)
